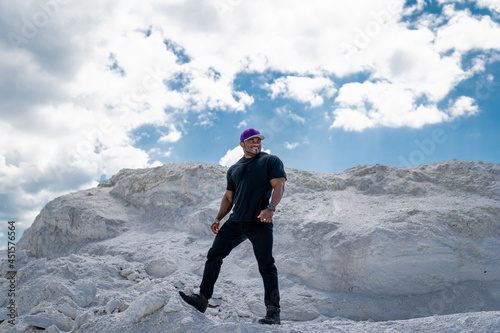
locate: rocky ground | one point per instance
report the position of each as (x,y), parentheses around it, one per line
(372,249)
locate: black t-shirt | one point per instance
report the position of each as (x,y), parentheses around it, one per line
(249,179)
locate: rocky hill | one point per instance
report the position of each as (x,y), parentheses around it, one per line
(367,250)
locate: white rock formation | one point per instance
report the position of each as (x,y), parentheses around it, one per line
(365,250)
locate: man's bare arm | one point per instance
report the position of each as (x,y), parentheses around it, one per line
(226,205)
(278,185)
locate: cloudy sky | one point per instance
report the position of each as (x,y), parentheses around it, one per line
(90,87)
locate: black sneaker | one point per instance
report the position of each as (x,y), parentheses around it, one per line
(198,301)
(272,316)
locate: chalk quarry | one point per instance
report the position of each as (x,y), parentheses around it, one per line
(373,249)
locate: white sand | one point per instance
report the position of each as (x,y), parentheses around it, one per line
(373,249)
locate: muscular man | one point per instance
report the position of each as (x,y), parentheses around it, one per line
(255,186)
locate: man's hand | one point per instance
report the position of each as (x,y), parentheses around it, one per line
(215,227)
(266,215)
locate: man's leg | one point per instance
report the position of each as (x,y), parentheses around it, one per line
(228,238)
(261,236)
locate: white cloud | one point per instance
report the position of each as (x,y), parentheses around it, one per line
(121,158)
(293,38)
(206,119)
(464,32)
(463,106)
(173,136)
(292,145)
(156,164)
(449,1)
(285,112)
(303,89)
(493,5)
(232,156)
(351,119)
(408,58)
(242,124)
(367,105)
(409,67)
(159,152)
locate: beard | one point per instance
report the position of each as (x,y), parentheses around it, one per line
(252,149)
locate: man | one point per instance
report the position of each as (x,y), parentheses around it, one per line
(255,186)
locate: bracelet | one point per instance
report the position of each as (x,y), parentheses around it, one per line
(217,221)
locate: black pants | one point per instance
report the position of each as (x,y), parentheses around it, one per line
(230,235)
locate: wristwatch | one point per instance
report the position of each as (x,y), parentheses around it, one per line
(272,207)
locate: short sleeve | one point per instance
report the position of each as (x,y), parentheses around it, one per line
(231,186)
(276,169)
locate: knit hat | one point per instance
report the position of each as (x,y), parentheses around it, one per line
(250,133)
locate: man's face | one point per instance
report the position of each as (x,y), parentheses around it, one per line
(251,147)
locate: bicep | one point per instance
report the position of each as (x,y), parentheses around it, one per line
(278,182)
(229,196)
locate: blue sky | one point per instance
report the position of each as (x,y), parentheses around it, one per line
(90,88)
(321,148)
